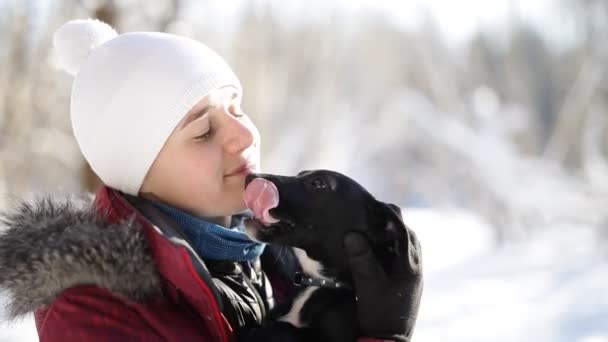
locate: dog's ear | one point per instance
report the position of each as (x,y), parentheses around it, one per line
(394,227)
(386,219)
(396,209)
(303,172)
(403,241)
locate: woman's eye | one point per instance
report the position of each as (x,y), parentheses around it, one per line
(205,136)
(238,113)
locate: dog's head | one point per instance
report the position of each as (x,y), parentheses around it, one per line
(317,208)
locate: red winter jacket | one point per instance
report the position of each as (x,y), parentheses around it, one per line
(105,272)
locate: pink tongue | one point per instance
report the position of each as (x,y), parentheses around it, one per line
(260,196)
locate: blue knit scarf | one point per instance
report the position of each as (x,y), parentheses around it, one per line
(212,241)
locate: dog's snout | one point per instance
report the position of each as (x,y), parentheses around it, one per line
(250,177)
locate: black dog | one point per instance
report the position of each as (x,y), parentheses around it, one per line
(314,212)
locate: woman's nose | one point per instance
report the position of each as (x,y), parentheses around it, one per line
(238,136)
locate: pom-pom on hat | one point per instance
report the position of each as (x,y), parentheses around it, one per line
(77,38)
(130,91)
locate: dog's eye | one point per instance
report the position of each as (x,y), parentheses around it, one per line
(318,184)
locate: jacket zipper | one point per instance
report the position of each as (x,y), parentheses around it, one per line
(257,295)
(214,306)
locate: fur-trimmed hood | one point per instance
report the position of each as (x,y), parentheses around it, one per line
(49,245)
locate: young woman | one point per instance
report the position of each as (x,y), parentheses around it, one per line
(157,256)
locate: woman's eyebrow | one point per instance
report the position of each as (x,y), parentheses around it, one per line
(195,115)
(200,113)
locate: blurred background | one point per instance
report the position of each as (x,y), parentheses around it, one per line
(485,120)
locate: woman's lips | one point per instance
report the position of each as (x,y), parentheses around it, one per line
(243,170)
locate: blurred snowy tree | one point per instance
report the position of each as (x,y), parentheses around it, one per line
(507,125)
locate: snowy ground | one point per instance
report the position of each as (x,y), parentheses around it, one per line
(552,287)
(23,331)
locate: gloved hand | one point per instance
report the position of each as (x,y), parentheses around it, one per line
(387,302)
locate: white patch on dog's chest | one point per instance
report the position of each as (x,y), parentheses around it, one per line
(293,316)
(309,267)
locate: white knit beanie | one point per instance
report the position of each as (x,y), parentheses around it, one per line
(130,91)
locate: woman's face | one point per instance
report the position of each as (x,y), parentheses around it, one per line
(202,166)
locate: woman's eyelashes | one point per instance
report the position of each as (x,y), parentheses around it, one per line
(211,131)
(236,111)
(205,136)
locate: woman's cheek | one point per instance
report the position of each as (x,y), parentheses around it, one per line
(210,166)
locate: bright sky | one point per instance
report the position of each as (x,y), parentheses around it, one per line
(456,19)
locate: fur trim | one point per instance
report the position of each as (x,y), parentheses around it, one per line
(50,245)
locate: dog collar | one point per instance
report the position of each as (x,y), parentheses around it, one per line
(301,279)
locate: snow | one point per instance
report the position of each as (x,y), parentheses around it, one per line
(20,331)
(550,286)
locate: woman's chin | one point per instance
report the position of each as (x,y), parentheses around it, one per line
(240,206)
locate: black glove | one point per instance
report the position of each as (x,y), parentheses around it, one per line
(387,302)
